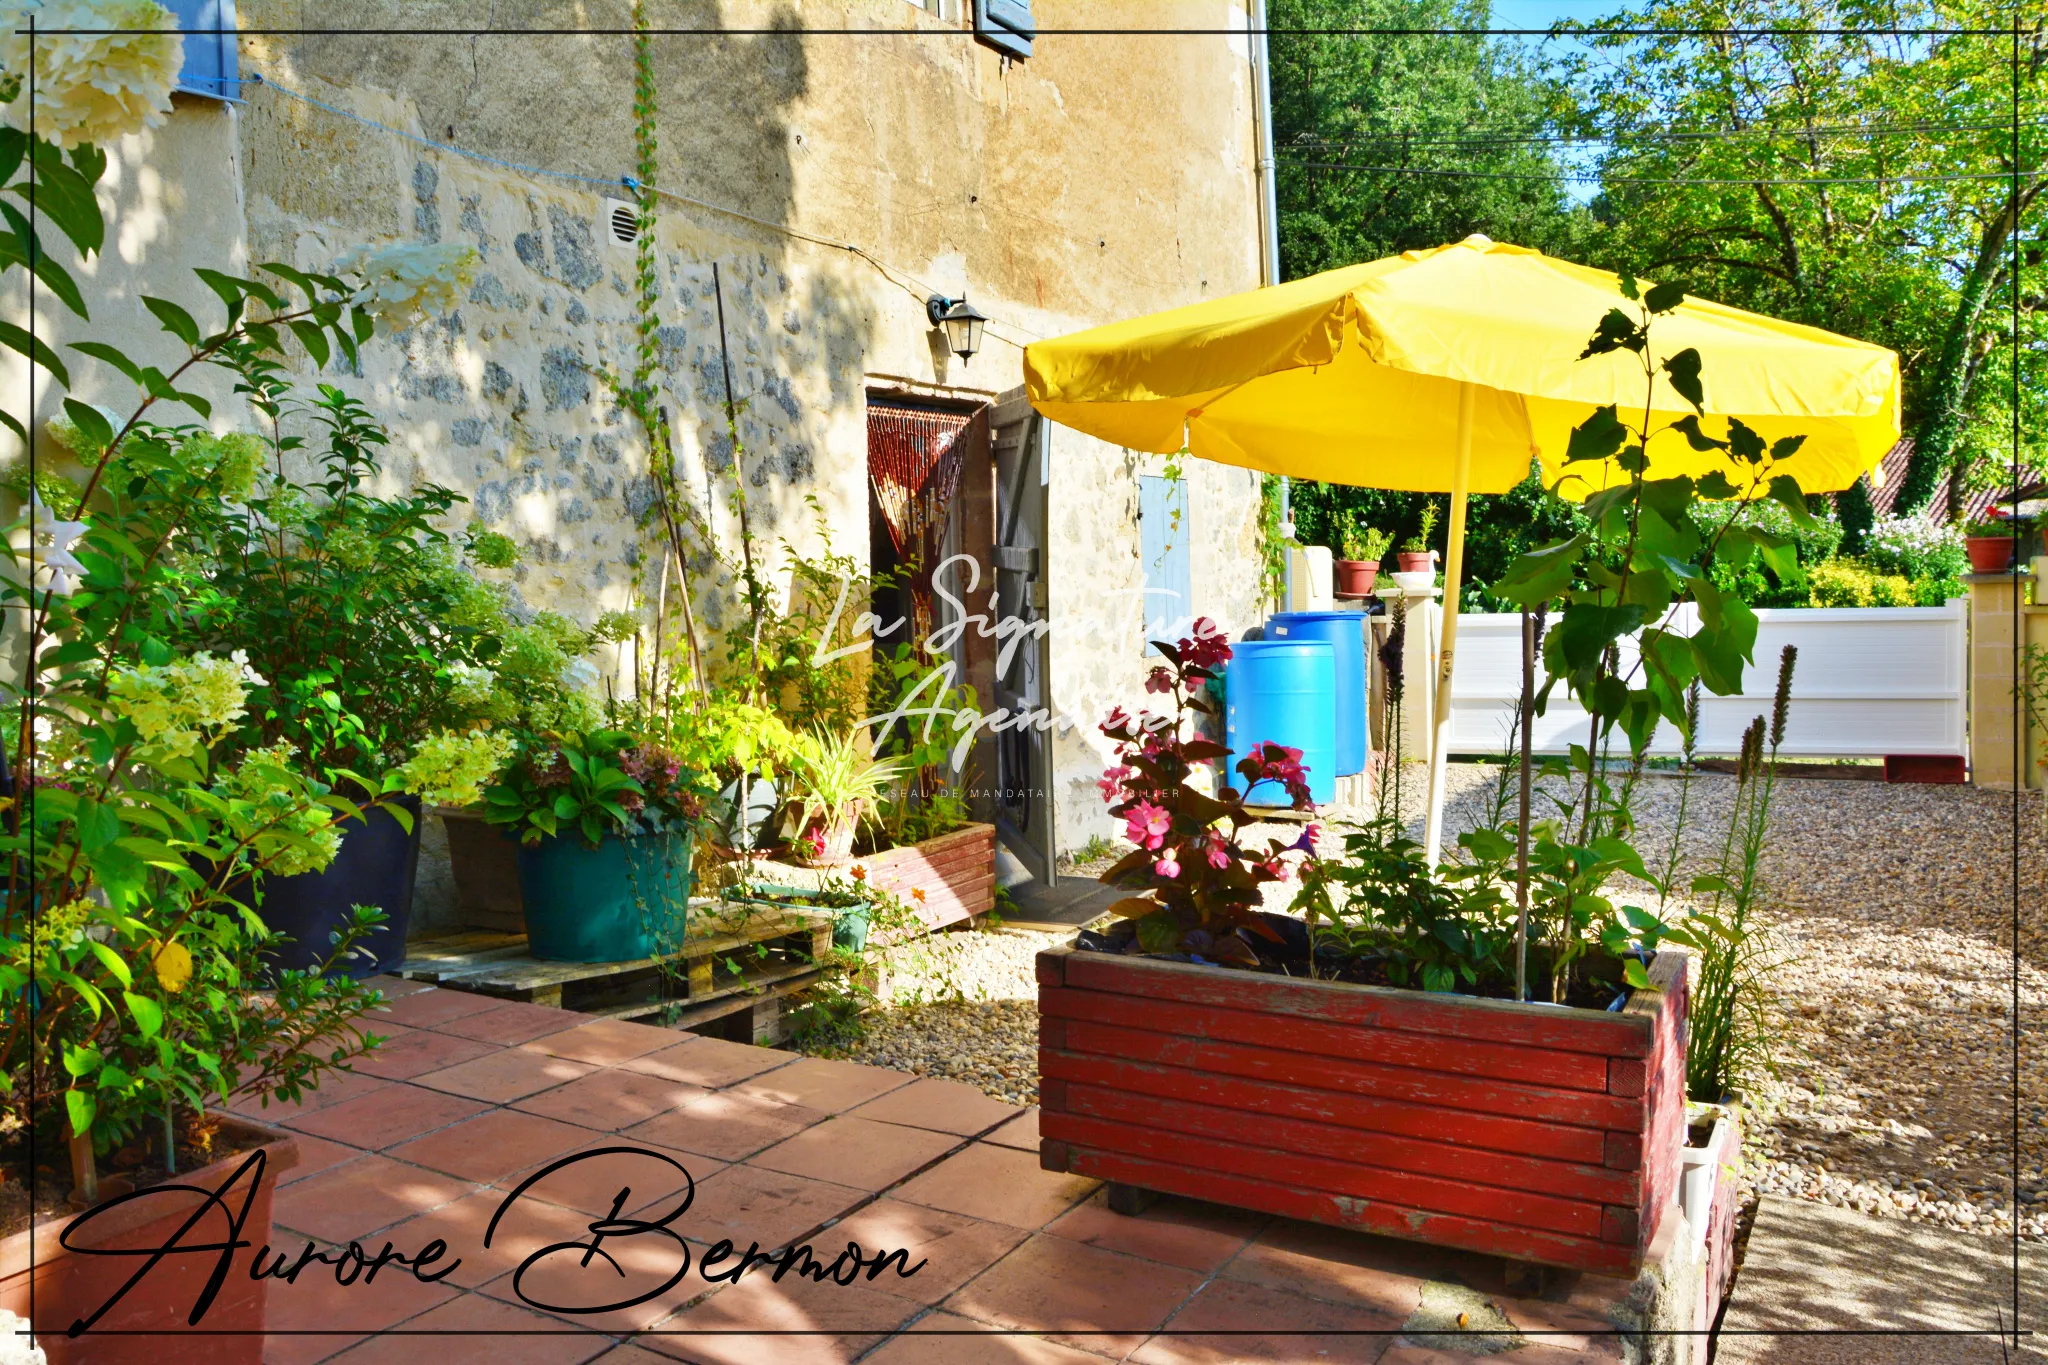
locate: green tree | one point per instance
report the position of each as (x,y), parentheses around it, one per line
(1802,162)
(1356,118)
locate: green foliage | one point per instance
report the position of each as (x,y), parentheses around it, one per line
(591,784)
(919,709)
(836,781)
(1767,579)
(1365,544)
(1344,105)
(1273,541)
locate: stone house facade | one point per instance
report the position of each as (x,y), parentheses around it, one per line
(836,181)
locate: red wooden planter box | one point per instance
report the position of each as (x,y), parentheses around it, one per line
(956,871)
(1534,1132)
(68,1287)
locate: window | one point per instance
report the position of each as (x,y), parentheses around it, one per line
(211,66)
(1163,535)
(1005,25)
(948,10)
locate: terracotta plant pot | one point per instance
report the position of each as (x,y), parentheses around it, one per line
(69,1286)
(1539,1133)
(1413,561)
(1354,577)
(1989,554)
(825,845)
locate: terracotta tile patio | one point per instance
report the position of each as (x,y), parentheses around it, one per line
(1021,1265)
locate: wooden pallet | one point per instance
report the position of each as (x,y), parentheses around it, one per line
(778,950)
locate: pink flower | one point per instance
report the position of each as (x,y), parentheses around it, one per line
(1118,719)
(1219,851)
(1207,647)
(1167,867)
(1159,680)
(1147,824)
(1275,869)
(1112,781)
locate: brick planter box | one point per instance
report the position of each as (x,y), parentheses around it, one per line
(1543,1134)
(67,1286)
(956,871)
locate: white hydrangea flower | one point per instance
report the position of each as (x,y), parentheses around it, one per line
(67,434)
(17,1346)
(470,685)
(92,87)
(405,281)
(580,675)
(174,705)
(451,769)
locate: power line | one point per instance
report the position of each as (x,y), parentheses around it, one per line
(1653,135)
(1575,178)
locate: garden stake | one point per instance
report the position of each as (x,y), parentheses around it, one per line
(739,471)
(1522,829)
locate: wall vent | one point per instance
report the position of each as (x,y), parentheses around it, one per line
(622,221)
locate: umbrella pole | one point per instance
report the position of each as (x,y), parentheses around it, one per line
(1454,569)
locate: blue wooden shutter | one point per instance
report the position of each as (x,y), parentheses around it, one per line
(211,64)
(1005,25)
(1163,535)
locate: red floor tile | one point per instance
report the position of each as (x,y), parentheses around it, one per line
(1182,1232)
(745,1205)
(605,1042)
(516,1336)
(315,1156)
(856,1151)
(945,1106)
(831,1086)
(726,1125)
(1001,1184)
(1330,1263)
(589,1187)
(429,1008)
(941,1339)
(336,1087)
(526,1227)
(612,1099)
(1258,1320)
(506,1076)
(492,1146)
(414,1052)
(393,1115)
(562,1286)
(316,1303)
(709,1062)
(357,1198)
(1072,1292)
(1562,1326)
(953,1249)
(1020,1132)
(858,1316)
(511,1022)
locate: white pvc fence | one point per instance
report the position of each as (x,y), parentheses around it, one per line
(1870,681)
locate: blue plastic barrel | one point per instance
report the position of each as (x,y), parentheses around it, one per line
(1345,630)
(1284,692)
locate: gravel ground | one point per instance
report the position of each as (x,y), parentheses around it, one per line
(1891,914)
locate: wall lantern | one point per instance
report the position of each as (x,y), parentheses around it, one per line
(962,321)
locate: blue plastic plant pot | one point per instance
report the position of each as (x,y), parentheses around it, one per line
(626,899)
(375,866)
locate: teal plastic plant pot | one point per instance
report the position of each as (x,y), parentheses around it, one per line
(850,927)
(626,899)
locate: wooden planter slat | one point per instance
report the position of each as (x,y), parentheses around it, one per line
(1498,1021)
(1500,1061)
(1389,1152)
(1348,1211)
(1572,1120)
(1529,1131)
(956,871)
(1465,1135)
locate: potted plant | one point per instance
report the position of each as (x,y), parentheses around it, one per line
(131,802)
(835,783)
(606,820)
(1415,555)
(1989,543)
(1363,548)
(1379,1098)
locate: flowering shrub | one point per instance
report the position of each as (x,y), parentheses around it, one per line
(1848,583)
(405,281)
(1197,883)
(92,88)
(594,783)
(1917,549)
(451,769)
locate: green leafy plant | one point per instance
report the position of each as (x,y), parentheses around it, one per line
(1365,543)
(592,784)
(2002,527)
(918,707)
(837,781)
(1848,583)
(1419,542)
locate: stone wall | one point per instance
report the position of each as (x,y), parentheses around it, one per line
(1104,177)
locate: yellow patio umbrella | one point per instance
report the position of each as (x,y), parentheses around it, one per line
(1448,371)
